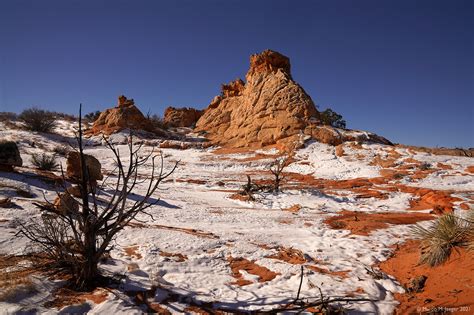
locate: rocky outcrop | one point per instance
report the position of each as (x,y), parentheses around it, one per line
(9,156)
(269,108)
(73,167)
(125,116)
(181,117)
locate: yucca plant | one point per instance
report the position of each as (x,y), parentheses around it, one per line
(440,237)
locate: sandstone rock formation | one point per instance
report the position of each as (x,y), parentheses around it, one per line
(125,116)
(270,108)
(9,155)
(73,167)
(65,203)
(181,117)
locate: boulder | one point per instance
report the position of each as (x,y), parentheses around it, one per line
(65,203)
(73,167)
(9,155)
(125,116)
(181,117)
(269,108)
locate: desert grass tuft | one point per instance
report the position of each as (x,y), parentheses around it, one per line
(44,161)
(441,237)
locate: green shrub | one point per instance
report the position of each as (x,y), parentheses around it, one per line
(92,116)
(331,118)
(45,162)
(39,120)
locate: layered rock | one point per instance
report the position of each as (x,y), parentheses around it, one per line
(181,117)
(125,116)
(270,108)
(9,155)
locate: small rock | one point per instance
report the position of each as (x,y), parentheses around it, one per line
(9,155)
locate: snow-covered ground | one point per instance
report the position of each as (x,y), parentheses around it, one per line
(198,197)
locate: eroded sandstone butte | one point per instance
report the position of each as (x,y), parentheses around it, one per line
(124,116)
(269,108)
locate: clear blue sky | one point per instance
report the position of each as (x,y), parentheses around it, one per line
(402,69)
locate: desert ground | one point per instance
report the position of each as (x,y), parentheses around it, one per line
(342,222)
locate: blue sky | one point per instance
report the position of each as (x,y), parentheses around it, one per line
(402,69)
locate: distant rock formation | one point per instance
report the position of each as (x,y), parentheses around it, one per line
(270,108)
(181,117)
(125,116)
(9,156)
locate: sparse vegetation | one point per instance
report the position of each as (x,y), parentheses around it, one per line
(331,118)
(14,278)
(44,161)
(8,116)
(156,121)
(74,241)
(61,150)
(441,237)
(276,168)
(39,120)
(425,166)
(92,116)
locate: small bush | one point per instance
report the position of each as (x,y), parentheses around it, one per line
(39,120)
(64,116)
(425,166)
(157,121)
(61,150)
(446,233)
(44,161)
(331,118)
(92,116)
(8,116)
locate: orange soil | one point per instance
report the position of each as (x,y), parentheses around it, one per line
(132,251)
(293,209)
(64,297)
(194,232)
(341,274)
(289,255)
(179,257)
(362,223)
(238,196)
(437,200)
(449,285)
(285,221)
(444,166)
(192,181)
(237,264)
